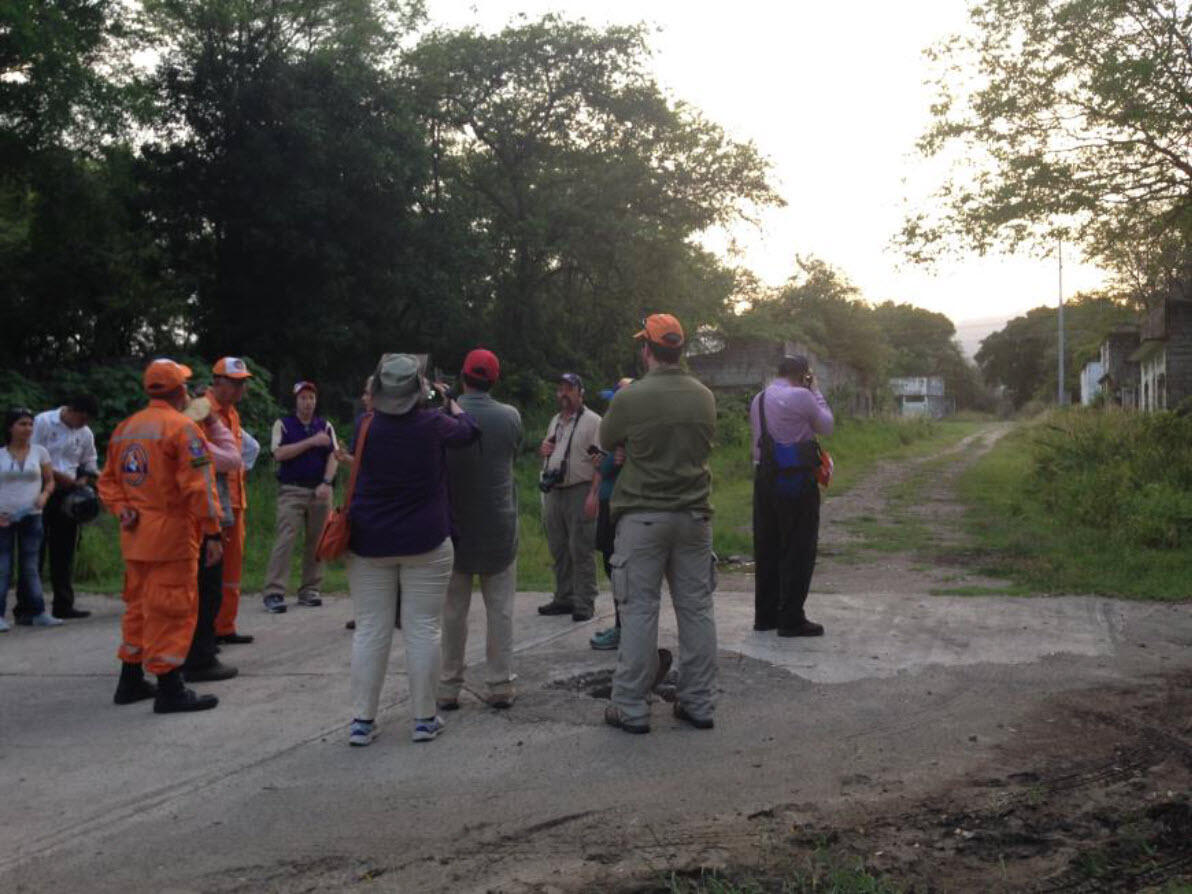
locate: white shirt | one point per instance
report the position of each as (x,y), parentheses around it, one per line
(70,448)
(20,482)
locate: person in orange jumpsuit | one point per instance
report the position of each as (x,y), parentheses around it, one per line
(158,481)
(230,375)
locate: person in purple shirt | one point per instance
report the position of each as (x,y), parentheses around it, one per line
(786,498)
(401,533)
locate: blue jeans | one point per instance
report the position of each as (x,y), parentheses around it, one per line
(24,539)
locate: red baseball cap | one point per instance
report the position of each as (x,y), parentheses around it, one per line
(482,364)
(164,375)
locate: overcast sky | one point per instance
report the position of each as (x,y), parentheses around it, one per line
(833,95)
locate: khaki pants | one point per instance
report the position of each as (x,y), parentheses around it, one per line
(498,591)
(572,542)
(649,547)
(373,583)
(298,510)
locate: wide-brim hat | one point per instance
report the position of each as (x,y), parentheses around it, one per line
(397,383)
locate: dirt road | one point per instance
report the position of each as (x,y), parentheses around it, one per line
(940,742)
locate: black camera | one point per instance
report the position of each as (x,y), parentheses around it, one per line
(550,479)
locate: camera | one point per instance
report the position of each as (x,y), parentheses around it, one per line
(550,479)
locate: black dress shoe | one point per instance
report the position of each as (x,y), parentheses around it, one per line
(234,639)
(581,616)
(70,614)
(761,625)
(804,628)
(554,608)
(213,672)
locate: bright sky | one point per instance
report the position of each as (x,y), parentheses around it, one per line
(833,95)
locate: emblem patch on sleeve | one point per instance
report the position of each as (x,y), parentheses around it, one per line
(198,452)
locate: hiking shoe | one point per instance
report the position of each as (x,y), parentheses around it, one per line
(447,704)
(234,639)
(425,730)
(614,717)
(351,625)
(174,698)
(133,687)
(362,732)
(45,620)
(502,701)
(581,616)
(4,628)
(211,673)
(70,614)
(606,640)
(554,608)
(310,600)
(803,628)
(275,603)
(683,714)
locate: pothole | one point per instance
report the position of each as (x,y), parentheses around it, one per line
(599,684)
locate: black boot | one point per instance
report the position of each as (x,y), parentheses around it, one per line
(173,697)
(214,671)
(133,687)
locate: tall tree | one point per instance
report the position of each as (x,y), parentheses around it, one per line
(582,182)
(1070,119)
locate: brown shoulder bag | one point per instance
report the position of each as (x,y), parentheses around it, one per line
(337,532)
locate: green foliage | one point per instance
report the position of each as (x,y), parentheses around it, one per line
(1088,502)
(1022,356)
(1073,120)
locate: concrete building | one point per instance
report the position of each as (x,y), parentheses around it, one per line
(1119,374)
(1090,382)
(1164,356)
(749,364)
(922,396)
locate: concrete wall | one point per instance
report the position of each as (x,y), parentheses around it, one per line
(1090,378)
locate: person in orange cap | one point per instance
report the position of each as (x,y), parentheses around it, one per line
(230,375)
(158,481)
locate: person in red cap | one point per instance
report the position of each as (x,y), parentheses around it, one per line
(483,496)
(158,481)
(304,446)
(230,376)
(663,520)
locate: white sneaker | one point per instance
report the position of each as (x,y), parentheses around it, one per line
(425,730)
(45,619)
(3,626)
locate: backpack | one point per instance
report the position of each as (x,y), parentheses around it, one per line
(787,467)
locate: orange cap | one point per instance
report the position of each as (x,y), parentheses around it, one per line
(231,368)
(164,375)
(662,329)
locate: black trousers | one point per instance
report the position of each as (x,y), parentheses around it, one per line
(785,540)
(61,540)
(202,645)
(606,536)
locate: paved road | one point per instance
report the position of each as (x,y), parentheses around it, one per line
(264,792)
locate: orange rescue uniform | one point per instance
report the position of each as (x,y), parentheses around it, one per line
(158,466)
(234,534)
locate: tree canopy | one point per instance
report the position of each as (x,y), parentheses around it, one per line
(1067,119)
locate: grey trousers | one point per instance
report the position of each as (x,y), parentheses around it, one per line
(572,542)
(677,546)
(298,511)
(498,591)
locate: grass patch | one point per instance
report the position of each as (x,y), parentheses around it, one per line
(822,872)
(1013,590)
(1044,549)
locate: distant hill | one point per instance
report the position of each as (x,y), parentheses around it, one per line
(971,332)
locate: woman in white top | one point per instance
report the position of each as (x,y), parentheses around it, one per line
(26,482)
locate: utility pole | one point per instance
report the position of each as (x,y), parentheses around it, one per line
(1061,396)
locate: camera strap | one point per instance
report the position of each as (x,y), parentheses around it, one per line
(566,450)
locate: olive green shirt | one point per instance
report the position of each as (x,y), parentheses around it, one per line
(666,421)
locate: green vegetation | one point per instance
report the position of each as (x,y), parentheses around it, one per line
(1088,502)
(822,872)
(856,446)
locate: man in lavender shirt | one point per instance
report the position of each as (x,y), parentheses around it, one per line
(786,503)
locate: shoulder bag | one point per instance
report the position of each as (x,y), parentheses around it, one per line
(337,532)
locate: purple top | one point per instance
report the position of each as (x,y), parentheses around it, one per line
(793,415)
(400,507)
